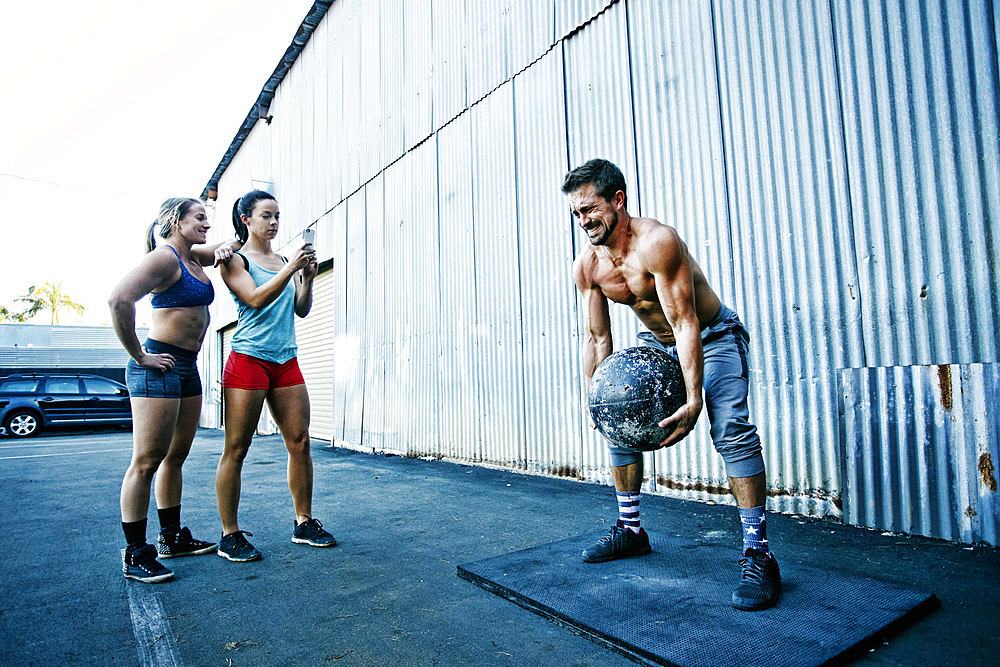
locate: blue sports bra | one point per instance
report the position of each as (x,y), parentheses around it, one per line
(186,292)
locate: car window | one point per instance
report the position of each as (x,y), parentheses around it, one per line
(95,386)
(18,386)
(62,386)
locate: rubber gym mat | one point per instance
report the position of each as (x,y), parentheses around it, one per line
(672,607)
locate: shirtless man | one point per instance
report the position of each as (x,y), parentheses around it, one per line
(645,265)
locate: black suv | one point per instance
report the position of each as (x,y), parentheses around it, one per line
(30,402)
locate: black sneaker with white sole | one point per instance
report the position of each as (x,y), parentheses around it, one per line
(236,548)
(311,532)
(175,543)
(620,542)
(141,565)
(760,582)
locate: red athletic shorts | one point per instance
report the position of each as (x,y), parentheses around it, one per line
(245,372)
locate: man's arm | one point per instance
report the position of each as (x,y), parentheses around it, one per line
(597,341)
(666,257)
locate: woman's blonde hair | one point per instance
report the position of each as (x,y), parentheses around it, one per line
(172,211)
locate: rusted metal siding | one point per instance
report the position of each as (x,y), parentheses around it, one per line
(919,450)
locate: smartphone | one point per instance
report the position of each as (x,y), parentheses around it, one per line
(309,234)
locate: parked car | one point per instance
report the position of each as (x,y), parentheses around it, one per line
(31,402)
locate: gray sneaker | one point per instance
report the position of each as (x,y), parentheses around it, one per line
(141,565)
(311,532)
(760,582)
(620,542)
(236,548)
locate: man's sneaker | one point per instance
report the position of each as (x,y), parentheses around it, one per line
(141,564)
(180,543)
(311,532)
(236,548)
(620,542)
(760,583)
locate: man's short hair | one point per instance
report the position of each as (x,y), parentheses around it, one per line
(606,177)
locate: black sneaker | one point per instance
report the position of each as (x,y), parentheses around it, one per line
(760,582)
(141,565)
(620,542)
(180,543)
(236,548)
(311,532)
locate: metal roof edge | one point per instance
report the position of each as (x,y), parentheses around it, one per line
(263,101)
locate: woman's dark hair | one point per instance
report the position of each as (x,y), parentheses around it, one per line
(172,212)
(606,177)
(245,206)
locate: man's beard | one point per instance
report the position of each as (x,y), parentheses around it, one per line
(602,239)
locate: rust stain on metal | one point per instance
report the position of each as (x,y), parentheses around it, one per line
(720,490)
(944,381)
(565,471)
(986,472)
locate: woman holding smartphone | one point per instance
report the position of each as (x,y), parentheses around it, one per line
(262,366)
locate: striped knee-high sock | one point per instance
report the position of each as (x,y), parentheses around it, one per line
(628,510)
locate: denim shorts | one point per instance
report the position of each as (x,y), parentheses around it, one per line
(726,384)
(179,382)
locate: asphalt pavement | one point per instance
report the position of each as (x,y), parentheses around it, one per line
(388,594)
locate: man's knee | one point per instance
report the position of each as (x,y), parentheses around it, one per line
(621,456)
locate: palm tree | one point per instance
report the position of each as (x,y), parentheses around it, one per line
(49,296)
(10,316)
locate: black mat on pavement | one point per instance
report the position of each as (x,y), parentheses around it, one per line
(672,606)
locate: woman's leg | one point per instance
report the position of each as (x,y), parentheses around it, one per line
(169,479)
(290,409)
(242,410)
(153,422)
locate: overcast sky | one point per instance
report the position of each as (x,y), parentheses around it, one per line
(108,108)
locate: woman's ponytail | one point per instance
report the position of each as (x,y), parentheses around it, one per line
(242,233)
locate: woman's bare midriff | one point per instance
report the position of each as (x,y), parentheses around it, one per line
(181,327)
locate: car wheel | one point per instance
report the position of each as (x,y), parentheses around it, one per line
(22,424)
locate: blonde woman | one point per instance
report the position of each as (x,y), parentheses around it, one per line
(162,378)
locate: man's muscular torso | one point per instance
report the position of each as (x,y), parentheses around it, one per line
(628,280)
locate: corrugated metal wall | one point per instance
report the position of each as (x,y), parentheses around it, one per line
(833,167)
(316,357)
(920,449)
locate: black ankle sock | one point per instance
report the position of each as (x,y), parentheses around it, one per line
(135,533)
(170,518)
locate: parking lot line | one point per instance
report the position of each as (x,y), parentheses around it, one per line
(41,456)
(154,638)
